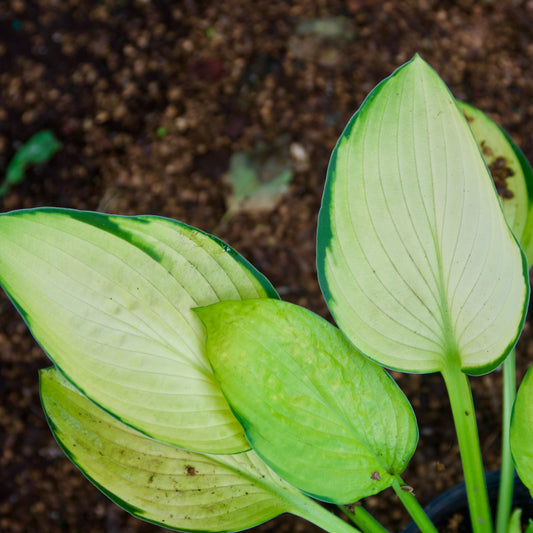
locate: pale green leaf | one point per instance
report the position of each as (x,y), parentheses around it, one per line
(324,417)
(157,482)
(511,172)
(415,259)
(109,299)
(522,431)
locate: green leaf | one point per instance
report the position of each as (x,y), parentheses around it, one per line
(511,172)
(415,258)
(157,482)
(109,299)
(515,524)
(522,431)
(37,150)
(322,416)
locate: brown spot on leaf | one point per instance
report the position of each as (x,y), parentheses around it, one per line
(500,171)
(375,476)
(486,149)
(191,471)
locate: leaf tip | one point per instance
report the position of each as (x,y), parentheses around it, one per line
(202,312)
(418,63)
(208,314)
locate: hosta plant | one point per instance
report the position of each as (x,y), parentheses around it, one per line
(195,398)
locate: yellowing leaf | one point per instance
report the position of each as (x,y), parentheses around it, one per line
(109,299)
(157,482)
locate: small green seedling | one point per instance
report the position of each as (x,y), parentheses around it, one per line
(37,150)
(196,399)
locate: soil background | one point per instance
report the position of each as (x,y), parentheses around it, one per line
(151,99)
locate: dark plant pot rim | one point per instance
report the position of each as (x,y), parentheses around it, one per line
(454,501)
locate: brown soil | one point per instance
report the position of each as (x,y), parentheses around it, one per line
(220,77)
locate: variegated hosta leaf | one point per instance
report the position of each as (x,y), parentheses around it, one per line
(322,416)
(415,259)
(109,299)
(511,172)
(157,482)
(522,431)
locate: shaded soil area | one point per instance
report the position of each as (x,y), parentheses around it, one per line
(151,98)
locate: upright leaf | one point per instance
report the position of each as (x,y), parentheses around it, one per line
(415,259)
(321,415)
(157,482)
(511,172)
(522,431)
(109,299)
